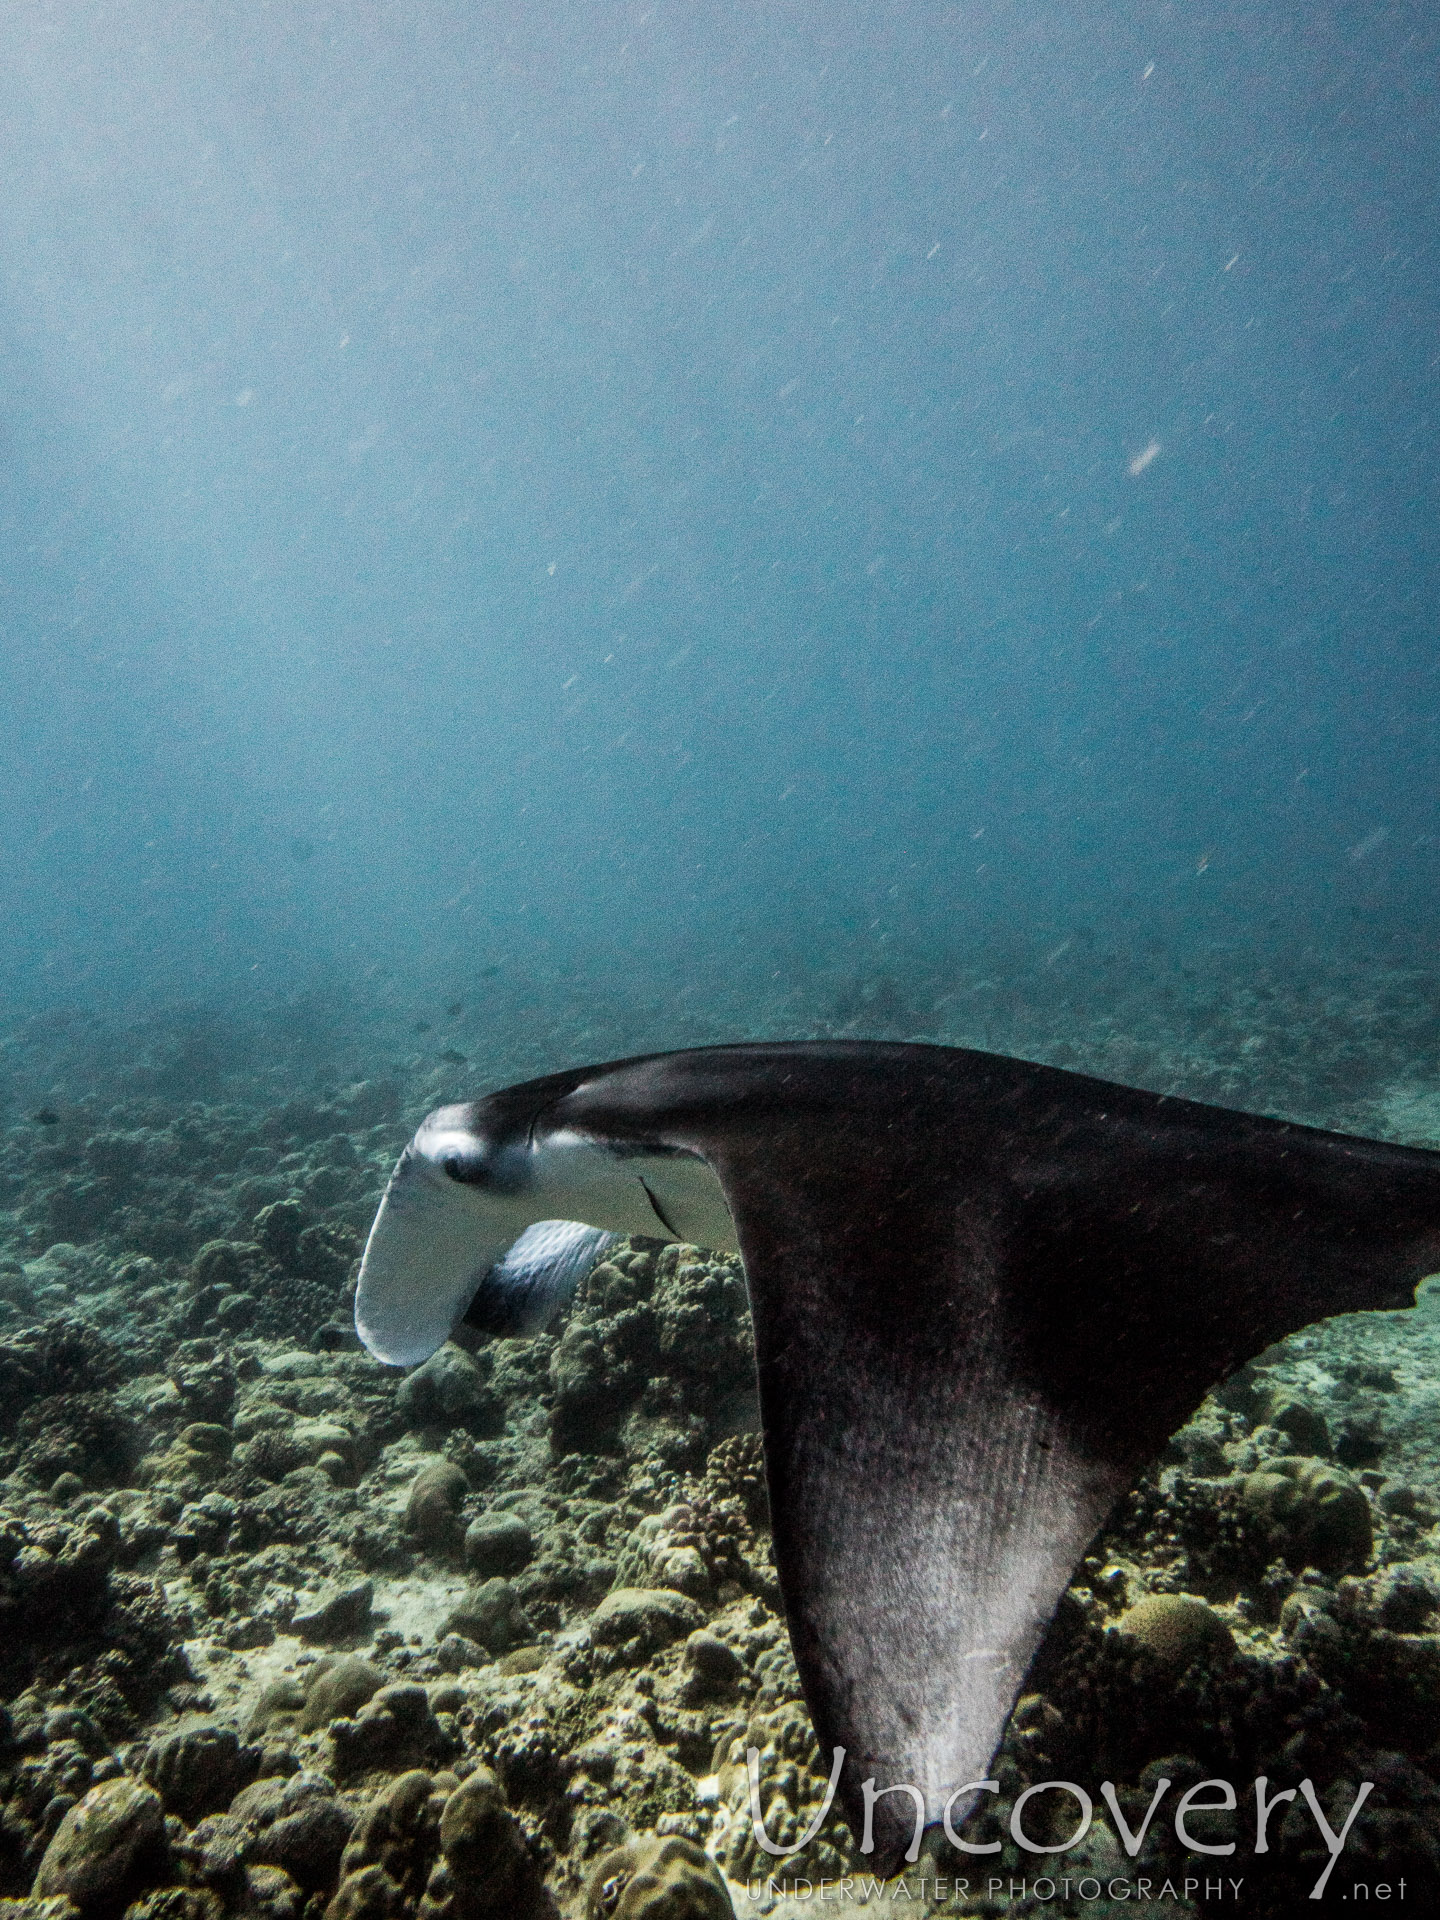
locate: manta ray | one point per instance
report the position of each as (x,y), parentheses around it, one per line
(985,1293)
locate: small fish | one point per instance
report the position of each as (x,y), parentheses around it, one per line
(455,1009)
(46,1117)
(421,1026)
(452,1058)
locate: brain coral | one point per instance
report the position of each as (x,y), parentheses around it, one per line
(656,1879)
(1176,1629)
(1314,1514)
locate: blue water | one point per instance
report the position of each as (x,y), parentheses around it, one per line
(708,511)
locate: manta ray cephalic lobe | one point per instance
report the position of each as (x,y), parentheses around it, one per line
(984,1294)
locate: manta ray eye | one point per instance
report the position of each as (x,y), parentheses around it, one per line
(460,1161)
(479,1163)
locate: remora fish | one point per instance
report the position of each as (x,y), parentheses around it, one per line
(984,1294)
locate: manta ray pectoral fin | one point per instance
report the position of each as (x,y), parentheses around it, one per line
(929,1504)
(984,1295)
(929,1512)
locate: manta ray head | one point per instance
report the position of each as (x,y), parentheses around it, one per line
(493,1217)
(459,1197)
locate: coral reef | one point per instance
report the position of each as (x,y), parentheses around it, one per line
(284,1633)
(668,1879)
